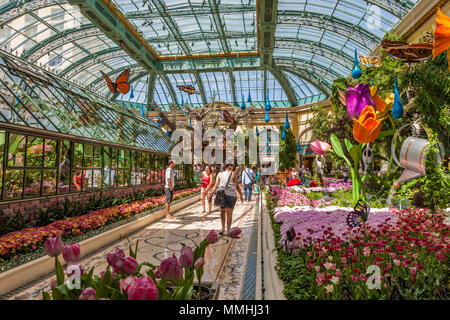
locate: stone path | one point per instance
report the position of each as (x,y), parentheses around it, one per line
(225,260)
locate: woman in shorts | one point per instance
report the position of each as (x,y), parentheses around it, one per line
(228,179)
(207,179)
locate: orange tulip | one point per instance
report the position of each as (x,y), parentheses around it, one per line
(367,128)
(441,34)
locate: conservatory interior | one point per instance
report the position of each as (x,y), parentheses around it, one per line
(224,149)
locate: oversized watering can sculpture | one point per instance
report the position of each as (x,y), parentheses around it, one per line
(412,154)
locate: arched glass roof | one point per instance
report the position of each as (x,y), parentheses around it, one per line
(313,44)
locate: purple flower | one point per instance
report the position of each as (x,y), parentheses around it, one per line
(357,98)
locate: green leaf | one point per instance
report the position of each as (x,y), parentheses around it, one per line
(59,272)
(355,153)
(337,147)
(46,296)
(386,133)
(348,144)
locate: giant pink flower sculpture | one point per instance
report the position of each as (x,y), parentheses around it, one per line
(320,147)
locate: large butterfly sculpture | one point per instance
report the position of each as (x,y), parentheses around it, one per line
(187,88)
(370,62)
(121,83)
(359,215)
(406,52)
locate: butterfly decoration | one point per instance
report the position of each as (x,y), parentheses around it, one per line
(370,62)
(359,215)
(187,88)
(121,83)
(409,53)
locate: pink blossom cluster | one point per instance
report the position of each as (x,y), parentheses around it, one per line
(290,199)
(29,239)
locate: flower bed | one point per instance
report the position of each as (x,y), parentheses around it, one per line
(289,197)
(316,223)
(30,239)
(398,254)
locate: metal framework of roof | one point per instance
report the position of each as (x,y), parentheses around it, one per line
(230,48)
(32,97)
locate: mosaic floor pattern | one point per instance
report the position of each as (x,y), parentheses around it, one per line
(159,240)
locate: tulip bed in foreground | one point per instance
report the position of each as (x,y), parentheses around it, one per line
(328,260)
(124,278)
(30,239)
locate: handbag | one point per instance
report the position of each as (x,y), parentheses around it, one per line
(220,194)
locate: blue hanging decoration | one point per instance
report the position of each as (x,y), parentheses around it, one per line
(287,126)
(397,109)
(182,101)
(249,99)
(131,93)
(299,147)
(142,111)
(283,134)
(268,107)
(266,118)
(256,131)
(159,119)
(190,121)
(243,103)
(356,72)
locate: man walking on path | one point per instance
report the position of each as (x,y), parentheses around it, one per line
(248,178)
(170,185)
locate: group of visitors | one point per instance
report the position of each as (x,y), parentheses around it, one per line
(226,184)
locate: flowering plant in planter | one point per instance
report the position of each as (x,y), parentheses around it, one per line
(124,278)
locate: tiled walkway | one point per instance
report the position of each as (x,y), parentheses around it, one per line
(159,240)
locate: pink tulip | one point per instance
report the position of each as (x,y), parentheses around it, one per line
(170,269)
(116,258)
(129,265)
(186,257)
(212,237)
(126,284)
(53,246)
(88,294)
(199,263)
(319,147)
(53,283)
(235,232)
(71,252)
(143,289)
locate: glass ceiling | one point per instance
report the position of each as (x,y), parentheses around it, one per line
(314,44)
(37,99)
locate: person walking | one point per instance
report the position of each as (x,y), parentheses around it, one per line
(345,172)
(228,181)
(257,180)
(207,184)
(248,177)
(301,174)
(169,186)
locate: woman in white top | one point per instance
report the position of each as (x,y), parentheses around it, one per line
(228,179)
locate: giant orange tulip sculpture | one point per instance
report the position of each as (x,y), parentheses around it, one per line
(442,36)
(367,127)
